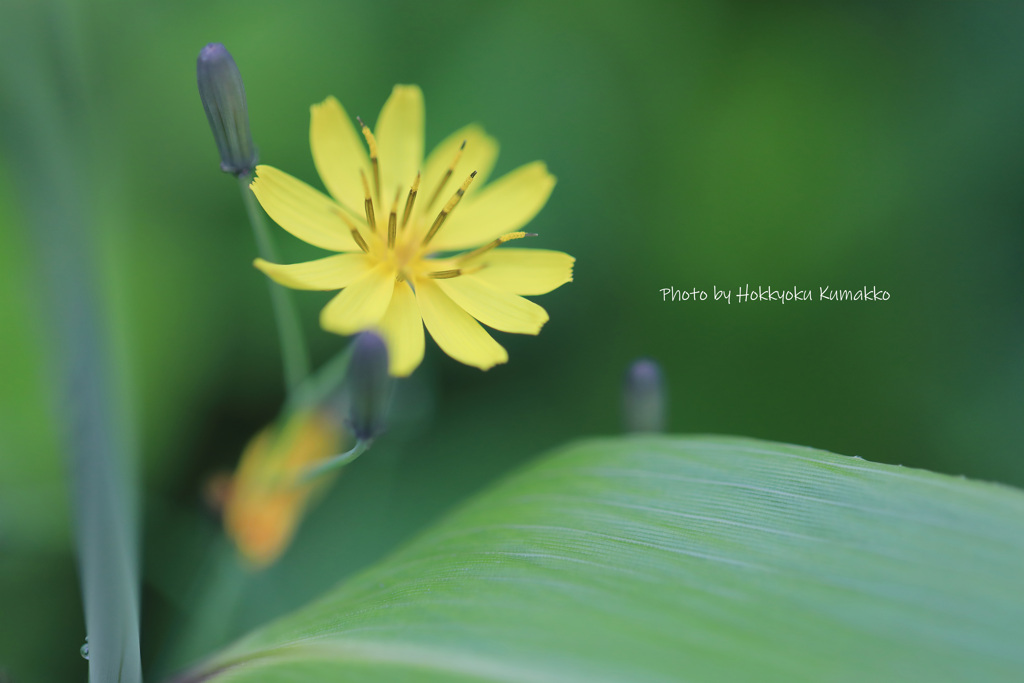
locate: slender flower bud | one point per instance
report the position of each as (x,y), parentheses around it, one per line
(223,96)
(367,386)
(645,398)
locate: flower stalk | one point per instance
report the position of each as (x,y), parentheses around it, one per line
(222,92)
(336,462)
(294,353)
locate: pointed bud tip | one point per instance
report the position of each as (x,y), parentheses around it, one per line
(370,348)
(646,372)
(213,51)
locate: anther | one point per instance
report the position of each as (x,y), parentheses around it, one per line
(371,142)
(410,200)
(393,220)
(445,274)
(454,272)
(447,175)
(352,228)
(508,237)
(368,203)
(448,208)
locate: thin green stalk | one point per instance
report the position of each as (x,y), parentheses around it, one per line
(213,609)
(337,461)
(289,330)
(319,386)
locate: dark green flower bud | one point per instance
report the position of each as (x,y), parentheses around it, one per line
(368,386)
(645,398)
(223,96)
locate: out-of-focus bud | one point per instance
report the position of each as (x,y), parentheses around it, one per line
(367,392)
(268,495)
(644,398)
(223,96)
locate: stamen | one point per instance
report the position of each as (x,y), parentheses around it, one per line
(447,175)
(448,208)
(445,274)
(368,203)
(495,243)
(411,200)
(454,272)
(393,220)
(371,142)
(353,228)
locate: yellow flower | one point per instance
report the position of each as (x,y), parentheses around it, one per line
(393,217)
(267,495)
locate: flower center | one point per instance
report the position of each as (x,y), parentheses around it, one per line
(401,241)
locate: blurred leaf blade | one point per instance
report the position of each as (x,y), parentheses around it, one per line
(664,558)
(50,149)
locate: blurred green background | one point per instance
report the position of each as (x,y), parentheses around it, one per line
(697,144)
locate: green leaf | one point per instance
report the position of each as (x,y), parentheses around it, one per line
(668,559)
(50,113)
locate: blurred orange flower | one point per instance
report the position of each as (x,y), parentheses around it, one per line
(267,496)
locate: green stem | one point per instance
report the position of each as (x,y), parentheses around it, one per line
(337,461)
(319,386)
(289,330)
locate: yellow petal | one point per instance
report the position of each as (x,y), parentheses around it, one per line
(333,272)
(454,330)
(399,135)
(362,304)
(494,307)
(505,205)
(304,212)
(339,152)
(402,330)
(525,271)
(479,155)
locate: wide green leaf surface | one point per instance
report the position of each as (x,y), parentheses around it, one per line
(680,559)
